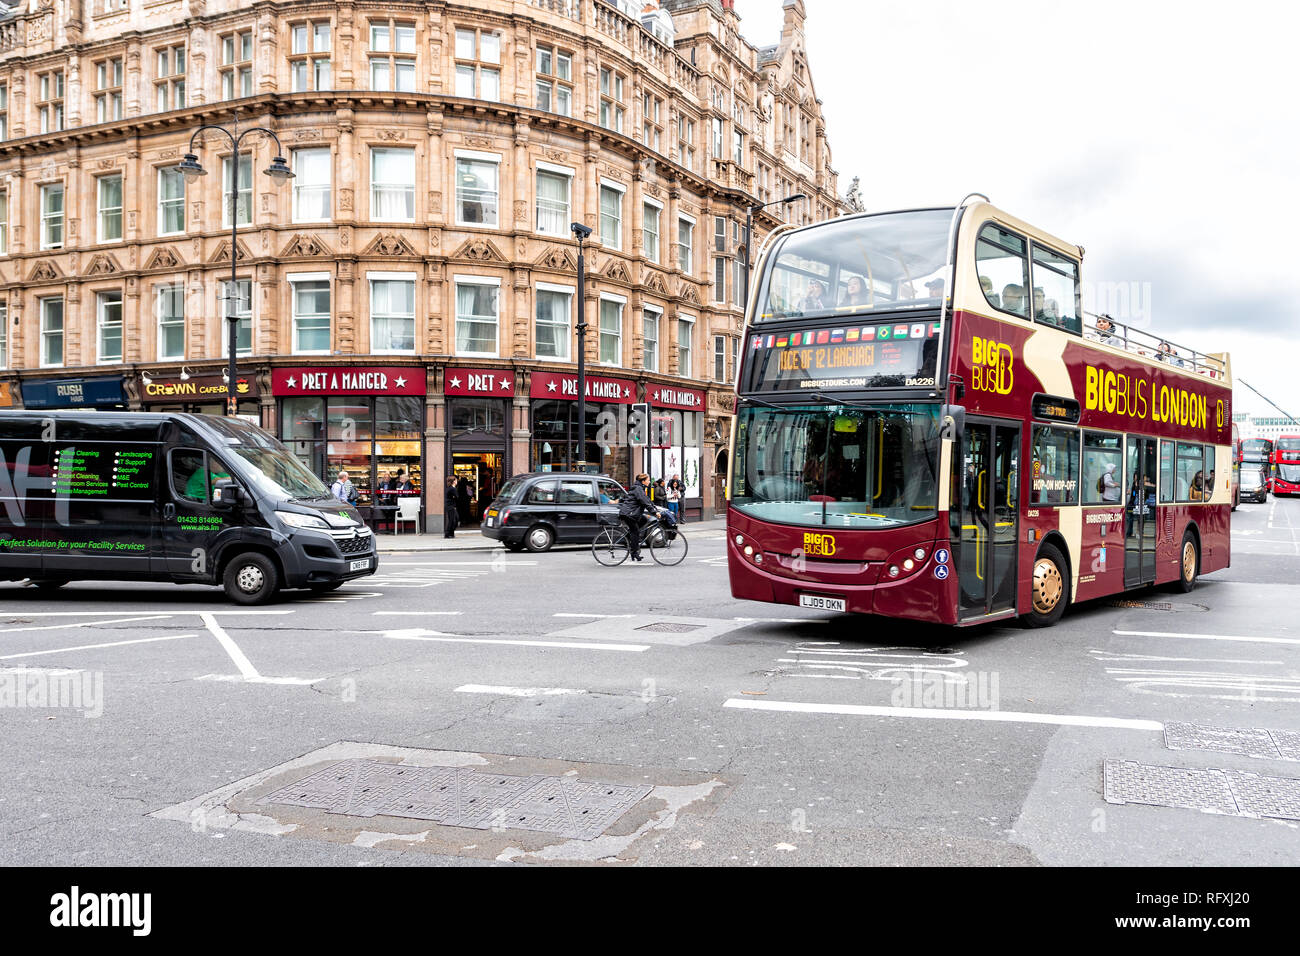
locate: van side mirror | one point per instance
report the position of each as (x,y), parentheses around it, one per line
(225,493)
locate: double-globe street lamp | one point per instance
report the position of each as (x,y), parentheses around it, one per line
(280,173)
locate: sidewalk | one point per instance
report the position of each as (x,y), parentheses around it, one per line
(475,541)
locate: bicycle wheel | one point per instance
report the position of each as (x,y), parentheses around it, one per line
(667,549)
(610,547)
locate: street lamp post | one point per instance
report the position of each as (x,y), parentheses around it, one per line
(280,173)
(581,232)
(749,234)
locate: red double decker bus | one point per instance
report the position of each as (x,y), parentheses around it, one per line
(1256,457)
(1286,465)
(926,430)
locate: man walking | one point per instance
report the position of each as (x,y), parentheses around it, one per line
(343,489)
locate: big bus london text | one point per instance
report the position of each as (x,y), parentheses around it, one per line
(926,430)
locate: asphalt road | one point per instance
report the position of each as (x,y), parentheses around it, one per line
(768,734)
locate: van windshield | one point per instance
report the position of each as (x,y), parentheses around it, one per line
(275,470)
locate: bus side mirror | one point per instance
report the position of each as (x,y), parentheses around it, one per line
(952,422)
(225,493)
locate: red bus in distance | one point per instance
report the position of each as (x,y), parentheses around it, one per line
(1286,465)
(928,428)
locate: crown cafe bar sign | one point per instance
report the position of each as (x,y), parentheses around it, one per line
(384,380)
(197,388)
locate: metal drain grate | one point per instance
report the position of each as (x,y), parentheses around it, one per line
(670,627)
(1274,744)
(1148,605)
(455,796)
(1231,792)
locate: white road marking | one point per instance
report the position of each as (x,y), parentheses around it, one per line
(1245,638)
(246,668)
(58,627)
(1007,716)
(411,613)
(783,620)
(517,691)
(593,615)
(43,671)
(91,647)
(453,564)
(234,678)
(163,611)
(436,637)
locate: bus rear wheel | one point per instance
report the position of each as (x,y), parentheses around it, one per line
(1189,563)
(1051,592)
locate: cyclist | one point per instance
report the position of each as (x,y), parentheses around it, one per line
(634,505)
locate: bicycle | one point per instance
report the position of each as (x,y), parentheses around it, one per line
(665,540)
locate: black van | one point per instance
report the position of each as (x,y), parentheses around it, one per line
(537,510)
(169,497)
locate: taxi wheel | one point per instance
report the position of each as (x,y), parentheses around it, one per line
(514,548)
(539,538)
(1050,592)
(251,578)
(48,584)
(1189,563)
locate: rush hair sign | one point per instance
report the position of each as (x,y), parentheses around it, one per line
(554,385)
(478,381)
(391,380)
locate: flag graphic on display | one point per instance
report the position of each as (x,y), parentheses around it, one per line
(918,330)
(868,333)
(852,335)
(884,332)
(900,331)
(823,337)
(837,335)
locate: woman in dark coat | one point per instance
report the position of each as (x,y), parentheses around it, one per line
(450,509)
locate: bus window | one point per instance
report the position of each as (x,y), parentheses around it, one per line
(1102,469)
(1055,297)
(1209,471)
(1190,476)
(1003,269)
(857,264)
(1166,471)
(1055,467)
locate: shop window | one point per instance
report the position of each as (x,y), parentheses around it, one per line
(477,416)
(171,201)
(1103,469)
(108,312)
(1054,478)
(237,65)
(392,185)
(477,189)
(244,206)
(477,316)
(554,306)
(51,332)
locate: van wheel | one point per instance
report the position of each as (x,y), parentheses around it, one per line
(251,578)
(1051,588)
(1189,563)
(539,538)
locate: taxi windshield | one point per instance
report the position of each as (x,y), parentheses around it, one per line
(854,265)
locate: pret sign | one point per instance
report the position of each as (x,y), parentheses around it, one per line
(478,381)
(391,380)
(555,385)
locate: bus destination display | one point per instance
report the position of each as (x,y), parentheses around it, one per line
(871,356)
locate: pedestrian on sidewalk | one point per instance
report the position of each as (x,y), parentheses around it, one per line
(450,509)
(676,492)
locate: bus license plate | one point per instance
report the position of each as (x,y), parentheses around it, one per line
(822,603)
(359,565)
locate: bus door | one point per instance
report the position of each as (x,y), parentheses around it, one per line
(986,567)
(1140,475)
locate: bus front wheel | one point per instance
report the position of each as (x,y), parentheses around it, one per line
(1051,588)
(1189,563)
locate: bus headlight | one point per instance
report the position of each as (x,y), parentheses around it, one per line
(749,551)
(919,554)
(893,570)
(740,539)
(909,564)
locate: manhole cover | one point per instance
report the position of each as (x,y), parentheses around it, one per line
(1276,745)
(1231,792)
(1148,605)
(456,796)
(670,627)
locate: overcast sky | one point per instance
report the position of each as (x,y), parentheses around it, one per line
(1161,136)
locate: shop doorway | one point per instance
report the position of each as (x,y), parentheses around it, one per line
(479,476)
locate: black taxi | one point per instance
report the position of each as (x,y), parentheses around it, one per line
(541,509)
